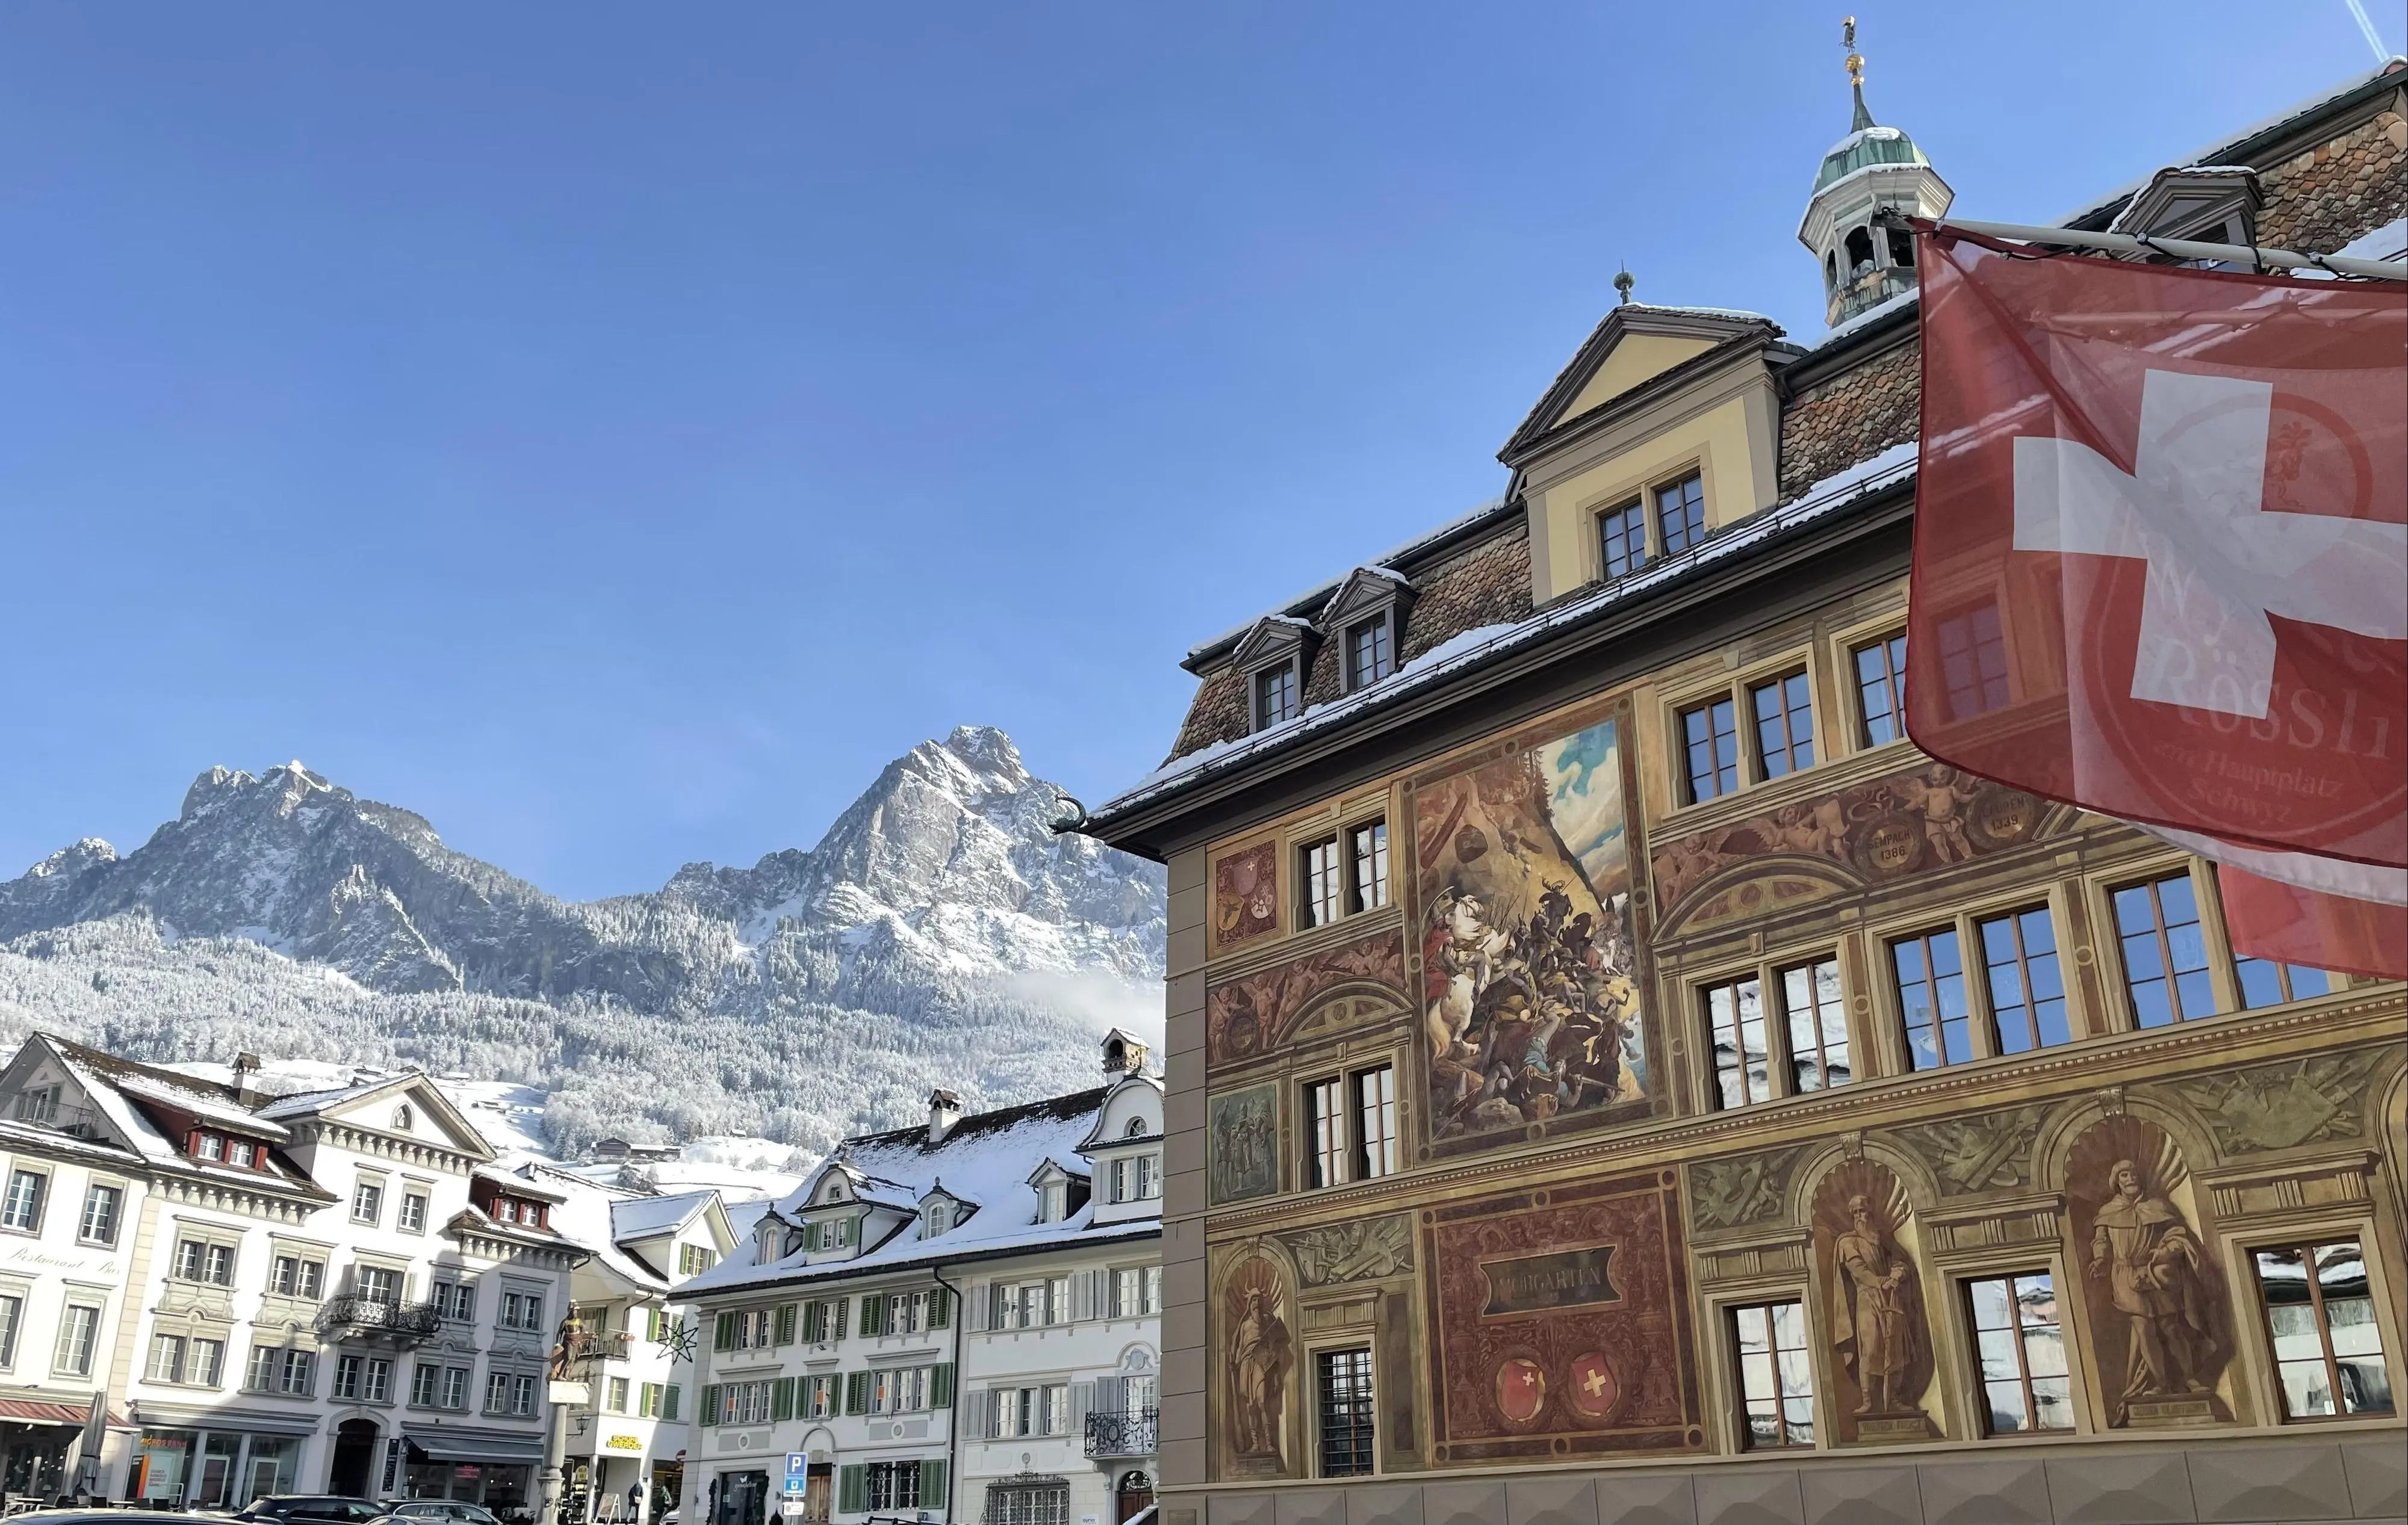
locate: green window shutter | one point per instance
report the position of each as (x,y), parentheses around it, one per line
(844,1306)
(856,1392)
(814,1323)
(785,1323)
(940,1309)
(941,1385)
(710,1413)
(723,1332)
(851,1487)
(870,1309)
(669,1402)
(782,1398)
(932,1485)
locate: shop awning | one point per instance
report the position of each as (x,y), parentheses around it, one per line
(35,1411)
(470,1445)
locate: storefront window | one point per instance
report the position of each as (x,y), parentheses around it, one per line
(273,1465)
(213,1483)
(165,1457)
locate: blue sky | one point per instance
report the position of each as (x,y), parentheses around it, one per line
(614,431)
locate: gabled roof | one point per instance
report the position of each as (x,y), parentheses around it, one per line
(1658,341)
(986,1162)
(422,1091)
(123,1091)
(203,1099)
(648,1218)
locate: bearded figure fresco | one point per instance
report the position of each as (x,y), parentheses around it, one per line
(1529,988)
(1879,1334)
(1260,1352)
(2157,1304)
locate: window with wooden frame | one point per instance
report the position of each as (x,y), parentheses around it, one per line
(1989,984)
(1710,748)
(1278,695)
(1930,974)
(1367,858)
(1761,1054)
(1784,724)
(1622,538)
(1371,651)
(1775,1377)
(1351,1127)
(2026,988)
(2320,1315)
(1680,514)
(1321,883)
(2018,1329)
(1343,1393)
(2173,950)
(1880,667)
(1973,661)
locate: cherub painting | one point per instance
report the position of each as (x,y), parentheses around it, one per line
(1530,999)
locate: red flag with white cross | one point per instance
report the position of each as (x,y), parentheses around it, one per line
(2161,546)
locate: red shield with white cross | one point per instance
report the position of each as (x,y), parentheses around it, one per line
(1521,1389)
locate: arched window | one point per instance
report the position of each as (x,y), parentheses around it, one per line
(403,1119)
(1860,250)
(1830,273)
(1138,1128)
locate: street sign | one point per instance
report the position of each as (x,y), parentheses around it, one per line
(797,1485)
(798,1465)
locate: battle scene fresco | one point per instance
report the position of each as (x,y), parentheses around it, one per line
(1245,1017)
(1530,1002)
(1559,1323)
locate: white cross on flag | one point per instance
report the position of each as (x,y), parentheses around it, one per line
(2161,559)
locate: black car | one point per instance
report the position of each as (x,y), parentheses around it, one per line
(311,1509)
(101,1514)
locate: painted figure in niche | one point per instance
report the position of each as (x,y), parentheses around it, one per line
(2152,1263)
(1530,1002)
(1260,1354)
(1878,1329)
(2158,1304)
(1869,1319)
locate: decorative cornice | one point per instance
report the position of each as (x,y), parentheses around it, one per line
(398,1147)
(2119,1059)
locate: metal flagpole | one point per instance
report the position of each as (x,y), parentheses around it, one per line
(2180,248)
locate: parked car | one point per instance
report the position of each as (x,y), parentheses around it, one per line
(312,1509)
(436,1512)
(103,1516)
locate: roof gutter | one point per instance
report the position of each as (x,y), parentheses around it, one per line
(2180,248)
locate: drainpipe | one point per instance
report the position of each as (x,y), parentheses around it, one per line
(953,1410)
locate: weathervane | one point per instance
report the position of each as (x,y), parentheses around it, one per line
(1623,283)
(1856,60)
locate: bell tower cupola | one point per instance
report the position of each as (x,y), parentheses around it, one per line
(1872,169)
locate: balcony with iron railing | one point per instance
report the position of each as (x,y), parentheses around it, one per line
(351,1316)
(1121,1432)
(600,1345)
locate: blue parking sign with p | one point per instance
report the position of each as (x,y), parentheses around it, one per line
(797,1463)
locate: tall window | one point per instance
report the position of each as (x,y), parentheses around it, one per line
(1776,1379)
(1366,850)
(101,1206)
(348,1370)
(2020,1341)
(79,1332)
(12,1315)
(1324,883)
(1275,694)
(412,1217)
(2165,951)
(1325,1125)
(1343,1387)
(2265,983)
(1742,1065)
(1624,533)
(455,1387)
(1818,1026)
(167,1358)
(206,1366)
(2320,1311)
(1680,514)
(1974,662)
(22,1209)
(1375,1122)
(1881,690)
(1710,734)
(1784,724)
(2026,988)
(292,1276)
(1371,652)
(1931,994)
(197,1260)
(377,1283)
(425,1385)
(367,1202)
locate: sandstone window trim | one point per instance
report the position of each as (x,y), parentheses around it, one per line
(1964,921)
(2114,959)
(1726,704)
(1998,1346)
(2323,1230)
(1794,1014)
(1743,1319)
(1345,1410)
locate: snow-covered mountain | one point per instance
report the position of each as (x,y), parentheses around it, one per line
(939,932)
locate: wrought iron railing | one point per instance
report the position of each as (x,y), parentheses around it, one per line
(350,1316)
(590,1345)
(1125,1432)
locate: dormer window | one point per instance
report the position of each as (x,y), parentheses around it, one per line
(403,1119)
(239,1153)
(1052,1202)
(1277,696)
(2212,206)
(936,1218)
(831,1234)
(1371,652)
(209,1146)
(1138,1128)
(1369,609)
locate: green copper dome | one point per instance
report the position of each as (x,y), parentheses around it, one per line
(1869,144)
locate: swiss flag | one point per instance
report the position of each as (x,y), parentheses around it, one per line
(2161,568)
(2161,545)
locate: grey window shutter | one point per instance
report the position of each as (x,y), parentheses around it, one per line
(1079,1308)
(974,1408)
(975,1306)
(1110,1397)
(1083,1401)
(1099,1293)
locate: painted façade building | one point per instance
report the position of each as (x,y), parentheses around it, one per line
(1615,1077)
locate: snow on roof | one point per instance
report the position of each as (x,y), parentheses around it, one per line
(587,1215)
(644,1217)
(985,1159)
(301,1104)
(107,1073)
(1885,470)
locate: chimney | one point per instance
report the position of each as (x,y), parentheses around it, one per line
(246,1079)
(944,1110)
(1124,1054)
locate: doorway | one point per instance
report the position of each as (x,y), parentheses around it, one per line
(356,1448)
(1134,1493)
(819,1491)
